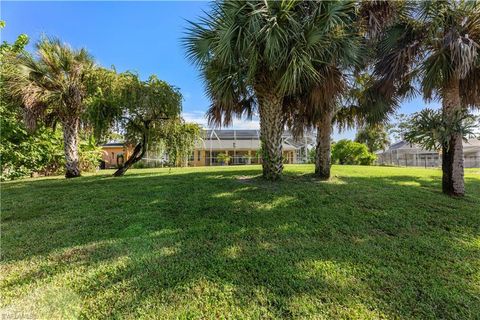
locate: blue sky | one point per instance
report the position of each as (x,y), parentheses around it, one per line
(137,36)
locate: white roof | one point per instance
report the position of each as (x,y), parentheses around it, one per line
(472,145)
(253,144)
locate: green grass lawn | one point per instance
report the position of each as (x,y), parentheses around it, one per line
(210,243)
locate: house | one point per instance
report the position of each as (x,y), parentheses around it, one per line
(243,146)
(114,153)
(410,155)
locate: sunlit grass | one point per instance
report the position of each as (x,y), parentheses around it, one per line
(374,242)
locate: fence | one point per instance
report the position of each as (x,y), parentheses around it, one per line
(426,161)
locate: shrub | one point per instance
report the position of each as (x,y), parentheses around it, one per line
(350,152)
(224,158)
(90,154)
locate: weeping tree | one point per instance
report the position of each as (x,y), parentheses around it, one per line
(178,139)
(435,44)
(254,54)
(51,86)
(145,106)
(145,113)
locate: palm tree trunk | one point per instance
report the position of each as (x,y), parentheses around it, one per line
(452,153)
(271,129)
(322,152)
(70,143)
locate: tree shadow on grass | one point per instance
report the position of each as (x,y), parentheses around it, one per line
(195,243)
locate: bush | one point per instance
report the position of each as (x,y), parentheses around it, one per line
(224,158)
(23,154)
(39,152)
(90,154)
(350,152)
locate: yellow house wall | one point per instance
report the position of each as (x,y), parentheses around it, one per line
(196,161)
(109,155)
(289,155)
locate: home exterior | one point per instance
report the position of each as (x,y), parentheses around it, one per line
(114,153)
(410,155)
(243,146)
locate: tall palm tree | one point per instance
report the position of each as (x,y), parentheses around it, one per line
(349,97)
(435,44)
(316,109)
(254,54)
(349,100)
(52,86)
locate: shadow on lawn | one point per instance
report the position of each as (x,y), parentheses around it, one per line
(391,246)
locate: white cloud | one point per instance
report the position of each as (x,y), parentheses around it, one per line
(199,118)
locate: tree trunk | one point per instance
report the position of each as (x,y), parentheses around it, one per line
(136,156)
(452,153)
(271,129)
(70,146)
(322,152)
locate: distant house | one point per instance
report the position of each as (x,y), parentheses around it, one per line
(243,146)
(405,154)
(114,153)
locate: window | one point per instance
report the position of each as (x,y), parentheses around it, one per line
(199,155)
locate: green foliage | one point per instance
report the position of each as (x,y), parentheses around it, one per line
(90,153)
(432,129)
(245,49)
(104,102)
(224,158)
(178,139)
(146,106)
(51,85)
(26,152)
(311,156)
(23,153)
(399,126)
(350,152)
(374,136)
(19,44)
(429,45)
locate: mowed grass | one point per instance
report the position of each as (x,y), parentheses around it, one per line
(215,243)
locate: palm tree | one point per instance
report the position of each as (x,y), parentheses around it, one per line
(435,44)
(349,100)
(350,97)
(254,54)
(51,87)
(316,109)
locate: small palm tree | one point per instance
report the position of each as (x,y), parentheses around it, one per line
(51,87)
(254,54)
(434,44)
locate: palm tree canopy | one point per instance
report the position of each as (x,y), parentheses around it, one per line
(51,83)
(430,43)
(245,46)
